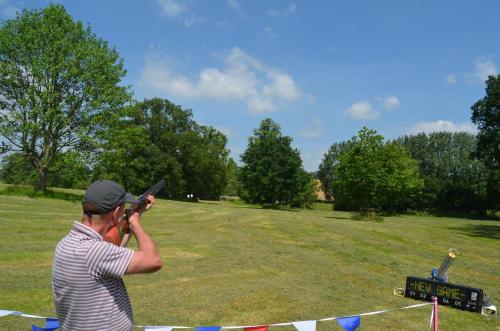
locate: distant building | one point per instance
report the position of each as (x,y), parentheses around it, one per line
(320,194)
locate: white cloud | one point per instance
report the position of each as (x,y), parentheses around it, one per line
(225,85)
(193,20)
(314,129)
(391,102)
(441,125)
(281,86)
(241,78)
(172,8)
(451,79)
(176,9)
(483,68)
(361,110)
(287,11)
(7,9)
(261,105)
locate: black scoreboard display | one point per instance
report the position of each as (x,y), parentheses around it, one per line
(456,296)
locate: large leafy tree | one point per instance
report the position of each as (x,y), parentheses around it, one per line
(272,170)
(486,114)
(454,179)
(58,84)
(374,174)
(157,139)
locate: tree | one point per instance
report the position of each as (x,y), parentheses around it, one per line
(373,174)
(15,169)
(400,181)
(326,172)
(272,170)
(68,170)
(58,84)
(454,179)
(233,185)
(486,114)
(306,192)
(205,162)
(157,139)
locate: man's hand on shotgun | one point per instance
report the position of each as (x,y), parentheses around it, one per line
(147,257)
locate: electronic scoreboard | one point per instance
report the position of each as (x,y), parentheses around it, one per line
(456,296)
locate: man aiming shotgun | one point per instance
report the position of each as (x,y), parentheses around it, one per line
(87,271)
(119,234)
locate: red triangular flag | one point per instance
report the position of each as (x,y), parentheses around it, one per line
(257,328)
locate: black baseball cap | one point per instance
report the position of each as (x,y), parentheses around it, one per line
(105,195)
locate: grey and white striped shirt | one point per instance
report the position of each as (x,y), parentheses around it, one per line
(87,283)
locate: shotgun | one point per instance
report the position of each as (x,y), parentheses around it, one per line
(120,233)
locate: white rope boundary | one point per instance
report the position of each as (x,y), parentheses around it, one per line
(291,323)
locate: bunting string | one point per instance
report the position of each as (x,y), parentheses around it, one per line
(350,322)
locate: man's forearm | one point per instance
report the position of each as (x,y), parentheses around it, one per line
(144,241)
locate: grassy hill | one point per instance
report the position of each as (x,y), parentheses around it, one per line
(227,263)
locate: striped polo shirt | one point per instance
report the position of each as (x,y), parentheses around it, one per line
(87,283)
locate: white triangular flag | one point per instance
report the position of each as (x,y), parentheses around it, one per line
(305,325)
(8,312)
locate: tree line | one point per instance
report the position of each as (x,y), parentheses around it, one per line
(66,120)
(436,172)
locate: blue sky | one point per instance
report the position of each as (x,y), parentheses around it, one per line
(321,69)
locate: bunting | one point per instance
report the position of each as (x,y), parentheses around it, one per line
(257,328)
(9,312)
(348,323)
(305,325)
(207,328)
(51,324)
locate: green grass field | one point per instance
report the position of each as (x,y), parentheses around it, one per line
(228,263)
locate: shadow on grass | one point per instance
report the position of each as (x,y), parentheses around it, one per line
(367,218)
(467,216)
(248,207)
(242,204)
(357,218)
(339,218)
(29,192)
(206,202)
(479,230)
(279,208)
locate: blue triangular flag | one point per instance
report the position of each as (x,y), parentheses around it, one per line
(51,324)
(349,323)
(207,328)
